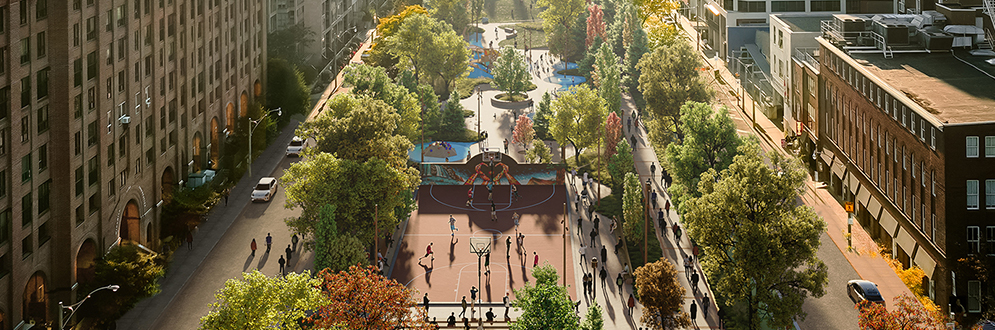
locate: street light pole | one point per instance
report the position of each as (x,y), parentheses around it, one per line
(564,277)
(75,307)
(279,112)
(480,98)
(646,220)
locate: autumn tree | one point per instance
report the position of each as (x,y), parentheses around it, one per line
(670,77)
(539,153)
(662,296)
(905,314)
(619,164)
(260,302)
(710,142)
(649,8)
(632,208)
(331,250)
(759,241)
(613,133)
(544,305)
(608,78)
(361,299)
(523,133)
(557,20)
(510,74)
(595,24)
(579,114)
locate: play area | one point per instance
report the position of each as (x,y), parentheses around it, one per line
(483,196)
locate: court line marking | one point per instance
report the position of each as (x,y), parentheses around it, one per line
(506,208)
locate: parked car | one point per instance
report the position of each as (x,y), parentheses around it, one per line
(861,290)
(295,147)
(264,190)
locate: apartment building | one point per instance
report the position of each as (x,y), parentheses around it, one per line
(907,132)
(334,23)
(105,106)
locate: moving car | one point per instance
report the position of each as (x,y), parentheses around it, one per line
(296,147)
(264,190)
(861,290)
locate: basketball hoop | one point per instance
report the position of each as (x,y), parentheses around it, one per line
(480,245)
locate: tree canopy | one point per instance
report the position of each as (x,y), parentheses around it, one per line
(361,299)
(544,305)
(662,296)
(431,48)
(510,74)
(542,116)
(620,163)
(523,133)
(578,116)
(710,142)
(670,76)
(260,302)
(286,89)
(289,43)
(359,128)
(594,319)
(331,250)
(759,243)
(539,153)
(608,77)
(453,12)
(558,19)
(633,209)
(905,314)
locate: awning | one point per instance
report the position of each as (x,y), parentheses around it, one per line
(864,196)
(888,223)
(854,183)
(873,207)
(827,157)
(839,168)
(905,240)
(713,9)
(925,262)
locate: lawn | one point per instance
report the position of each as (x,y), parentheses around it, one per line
(530,33)
(498,11)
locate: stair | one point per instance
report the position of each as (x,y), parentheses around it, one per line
(990,10)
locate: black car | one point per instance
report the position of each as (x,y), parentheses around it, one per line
(860,290)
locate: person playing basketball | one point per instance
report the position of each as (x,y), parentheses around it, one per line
(428,251)
(452,225)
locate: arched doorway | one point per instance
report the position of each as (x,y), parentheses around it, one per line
(35,303)
(197,160)
(86,262)
(215,142)
(243,103)
(130,223)
(257,89)
(166,183)
(230,118)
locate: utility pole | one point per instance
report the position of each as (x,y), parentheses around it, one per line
(564,277)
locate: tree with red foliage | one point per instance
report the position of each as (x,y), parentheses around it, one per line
(595,25)
(524,133)
(906,314)
(613,132)
(363,299)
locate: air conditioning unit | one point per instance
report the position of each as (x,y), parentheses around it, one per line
(125,120)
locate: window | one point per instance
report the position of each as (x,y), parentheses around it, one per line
(786,6)
(990,146)
(27,245)
(932,138)
(4,52)
(932,226)
(990,194)
(27,210)
(3,19)
(26,168)
(973,239)
(41,44)
(110,155)
(79,181)
(973,296)
(94,203)
(25,50)
(932,175)
(91,134)
(25,129)
(80,215)
(818,5)
(4,101)
(91,28)
(26,91)
(41,9)
(5,225)
(94,166)
(972,194)
(972,146)
(44,191)
(752,6)
(42,81)
(44,233)
(990,234)
(91,65)
(3,183)
(76,35)
(77,72)
(24,12)
(43,157)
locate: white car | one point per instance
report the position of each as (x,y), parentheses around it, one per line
(264,190)
(296,147)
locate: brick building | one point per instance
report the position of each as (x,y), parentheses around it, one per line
(104,105)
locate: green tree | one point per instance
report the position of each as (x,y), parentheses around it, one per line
(710,142)
(633,53)
(359,128)
(261,302)
(593,320)
(375,83)
(542,116)
(608,78)
(544,305)
(760,243)
(431,48)
(632,208)
(453,12)
(557,20)
(539,153)
(648,8)
(135,270)
(290,44)
(412,42)
(331,250)
(286,89)
(662,296)
(510,74)
(620,164)
(354,187)
(453,123)
(579,114)
(670,77)
(449,58)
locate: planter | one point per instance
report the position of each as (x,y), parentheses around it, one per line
(510,104)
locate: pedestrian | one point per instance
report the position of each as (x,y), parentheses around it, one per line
(294,240)
(604,252)
(603,274)
(687,268)
(289,253)
(694,281)
(583,253)
(515,217)
(227,192)
(425,300)
(659,217)
(466,324)
(580,227)
(282,262)
(619,281)
(452,226)
(451,321)
(507,305)
(694,312)
(269,242)
(493,212)
(597,222)
(536,262)
(189,240)
(253,247)
(487,263)
(428,251)
(633,140)
(704,306)
(652,170)
(614,224)
(577,203)
(514,192)
(508,243)
(469,197)
(505,145)
(594,234)
(628,125)
(653,198)
(473,296)
(632,303)
(490,314)
(677,233)
(461,314)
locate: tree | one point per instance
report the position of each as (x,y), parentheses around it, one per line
(510,74)
(523,134)
(286,89)
(379,52)
(539,153)
(354,187)
(331,250)
(557,20)
(669,78)
(593,320)
(449,56)
(290,43)
(906,314)
(261,302)
(136,270)
(412,43)
(633,53)
(431,48)
(579,114)
(362,299)
(613,133)
(660,33)
(453,124)
(760,243)
(453,12)
(542,116)
(608,76)
(981,266)
(662,296)
(595,24)
(648,8)
(632,208)
(710,142)
(544,305)
(359,128)
(620,163)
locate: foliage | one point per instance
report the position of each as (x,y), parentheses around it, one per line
(760,243)
(289,44)
(261,302)
(431,48)
(354,187)
(595,24)
(669,78)
(135,270)
(331,250)
(452,119)
(184,207)
(613,133)
(510,74)
(362,299)
(905,314)
(633,208)
(467,86)
(286,89)
(523,133)
(659,33)
(608,78)
(912,277)
(358,128)
(593,320)
(662,296)
(983,268)
(633,53)
(544,305)
(710,142)
(544,113)
(389,25)
(579,114)
(557,20)
(539,153)
(453,12)
(649,8)
(450,57)
(620,164)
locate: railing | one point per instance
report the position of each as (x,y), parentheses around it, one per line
(832,31)
(990,10)
(808,55)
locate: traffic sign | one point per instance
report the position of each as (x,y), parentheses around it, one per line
(848,206)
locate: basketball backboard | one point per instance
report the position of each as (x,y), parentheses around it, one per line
(480,245)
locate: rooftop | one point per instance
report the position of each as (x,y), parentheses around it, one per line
(804,23)
(955,87)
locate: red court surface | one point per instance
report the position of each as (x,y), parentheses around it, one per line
(454,271)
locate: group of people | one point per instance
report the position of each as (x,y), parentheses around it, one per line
(269,244)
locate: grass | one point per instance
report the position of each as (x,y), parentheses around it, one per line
(511,97)
(536,38)
(465,86)
(611,205)
(570,72)
(498,11)
(635,250)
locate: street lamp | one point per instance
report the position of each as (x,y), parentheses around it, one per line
(646,220)
(480,98)
(253,125)
(74,307)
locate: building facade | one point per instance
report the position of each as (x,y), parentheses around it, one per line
(106,106)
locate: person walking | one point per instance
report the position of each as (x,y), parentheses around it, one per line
(594,235)
(619,281)
(461,314)
(189,240)
(289,253)
(473,296)
(507,305)
(425,300)
(452,226)
(514,192)
(677,234)
(515,217)
(487,263)
(694,313)
(653,196)
(604,252)
(294,240)
(469,197)
(652,170)
(604,275)
(282,262)
(505,145)
(583,253)
(227,192)
(704,306)
(597,222)
(253,247)
(694,281)
(451,321)
(269,242)
(428,251)
(507,242)
(536,262)
(490,314)
(632,303)
(493,212)
(659,218)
